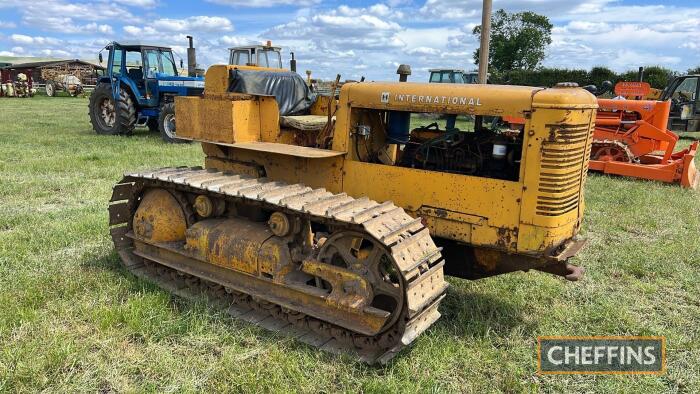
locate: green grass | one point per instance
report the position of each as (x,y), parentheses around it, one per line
(71,319)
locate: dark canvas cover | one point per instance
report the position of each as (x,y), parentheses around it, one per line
(289,89)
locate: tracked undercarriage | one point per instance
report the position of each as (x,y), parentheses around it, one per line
(610,150)
(341,273)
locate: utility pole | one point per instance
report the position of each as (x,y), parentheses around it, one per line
(485,37)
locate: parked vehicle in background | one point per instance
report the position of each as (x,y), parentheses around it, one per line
(20,87)
(450,75)
(64,83)
(684,93)
(139,89)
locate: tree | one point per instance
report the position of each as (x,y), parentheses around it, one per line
(518,41)
(695,70)
(600,74)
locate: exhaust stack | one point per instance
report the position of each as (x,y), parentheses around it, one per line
(293,63)
(191,59)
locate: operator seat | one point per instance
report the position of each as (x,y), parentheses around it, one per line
(136,75)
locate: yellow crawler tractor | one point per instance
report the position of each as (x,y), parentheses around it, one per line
(332,220)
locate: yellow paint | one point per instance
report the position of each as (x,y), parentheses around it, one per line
(236,244)
(348,290)
(320,106)
(159,218)
(220,120)
(531,216)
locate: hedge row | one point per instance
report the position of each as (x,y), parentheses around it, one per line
(657,76)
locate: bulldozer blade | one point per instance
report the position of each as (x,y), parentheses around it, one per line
(689,177)
(679,169)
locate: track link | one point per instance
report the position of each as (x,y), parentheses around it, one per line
(598,146)
(415,255)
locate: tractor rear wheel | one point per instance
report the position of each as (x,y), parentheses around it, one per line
(166,124)
(108,117)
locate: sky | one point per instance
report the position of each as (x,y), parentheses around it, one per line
(356,38)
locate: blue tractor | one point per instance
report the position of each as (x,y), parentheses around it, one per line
(139,89)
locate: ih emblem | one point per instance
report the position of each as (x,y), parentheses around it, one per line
(385,97)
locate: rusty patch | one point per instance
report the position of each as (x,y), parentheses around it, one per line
(441,213)
(507,237)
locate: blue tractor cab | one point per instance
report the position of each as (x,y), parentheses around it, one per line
(139,89)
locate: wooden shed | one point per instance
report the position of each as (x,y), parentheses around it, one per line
(39,72)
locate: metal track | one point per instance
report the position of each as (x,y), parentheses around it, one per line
(409,243)
(600,144)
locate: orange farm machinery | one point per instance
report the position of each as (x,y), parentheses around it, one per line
(631,139)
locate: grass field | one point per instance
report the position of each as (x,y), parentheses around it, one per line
(72,319)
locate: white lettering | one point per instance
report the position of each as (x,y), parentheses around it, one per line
(651,358)
(424,99)
(569,355)
(598,353)
(622,355)
(636,354)
(612,353)
(550,355)
(586,353)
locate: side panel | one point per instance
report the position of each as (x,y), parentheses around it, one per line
(459,207)
(218,120)
(317,173)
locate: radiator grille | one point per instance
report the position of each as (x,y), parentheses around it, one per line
(564,160)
